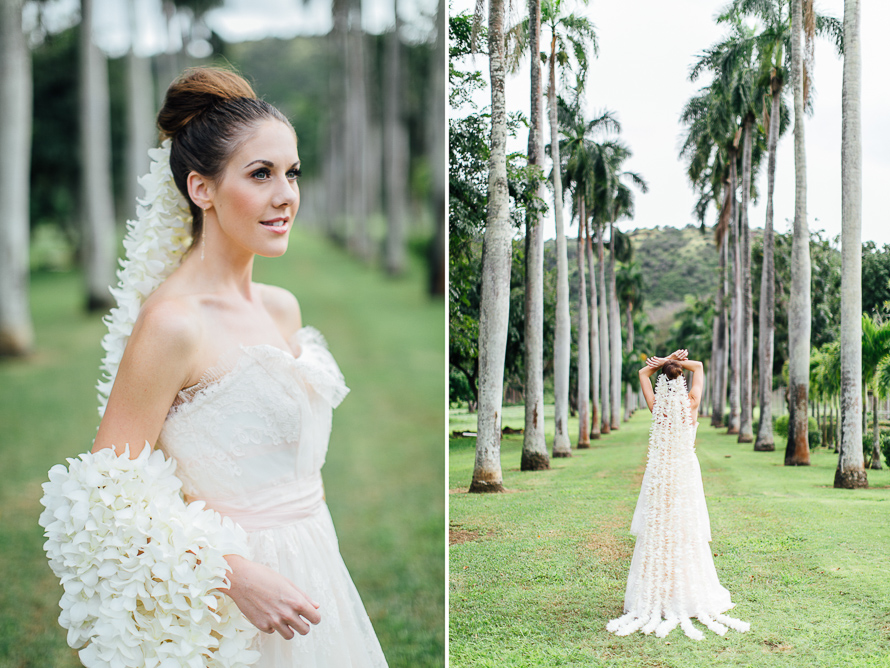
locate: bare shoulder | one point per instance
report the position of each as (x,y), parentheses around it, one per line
(283,307)
(174,324)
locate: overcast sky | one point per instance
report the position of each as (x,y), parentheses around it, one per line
(234,20)
(641,74)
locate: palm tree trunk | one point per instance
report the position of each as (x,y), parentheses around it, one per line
(614,332)
(724,363)
(797,452)
(436,136)
(534,445)
(395,152)
(583,340)
(141,135)
(765,441)
(357,108)
(16,329)
(628,391)
(497,248)
(851,474)
(746,426)
(594,340)
(95,145)
(736,324)
(605,401)
(876,436)
(562,346)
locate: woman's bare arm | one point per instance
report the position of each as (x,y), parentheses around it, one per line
(697,385)
(155,366)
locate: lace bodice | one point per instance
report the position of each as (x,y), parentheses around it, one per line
(259,419)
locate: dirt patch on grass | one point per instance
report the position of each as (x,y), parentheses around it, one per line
(606,545)
(457,534)
(774,645)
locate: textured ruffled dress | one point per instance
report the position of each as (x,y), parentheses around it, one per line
(672,576)
(250,440)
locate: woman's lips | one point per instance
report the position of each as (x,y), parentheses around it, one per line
(277,225)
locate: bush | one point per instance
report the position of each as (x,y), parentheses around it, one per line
(885,446)
(780,428)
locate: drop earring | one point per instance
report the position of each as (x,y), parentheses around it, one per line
(203,235)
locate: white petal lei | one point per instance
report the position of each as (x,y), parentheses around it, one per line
(155,244)
(140,568)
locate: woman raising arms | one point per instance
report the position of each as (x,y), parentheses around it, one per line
(672,576)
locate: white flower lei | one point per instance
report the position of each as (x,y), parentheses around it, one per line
(140,568)
(155,244)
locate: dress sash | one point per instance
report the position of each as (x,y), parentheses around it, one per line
(274,507)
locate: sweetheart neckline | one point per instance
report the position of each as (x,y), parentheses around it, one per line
(226,366)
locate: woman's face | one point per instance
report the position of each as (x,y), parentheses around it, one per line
(257,196)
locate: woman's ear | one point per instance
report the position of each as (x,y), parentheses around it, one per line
(200,190)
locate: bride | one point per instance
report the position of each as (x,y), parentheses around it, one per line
(219,374)
(672,576)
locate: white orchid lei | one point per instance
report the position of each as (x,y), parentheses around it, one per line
(154,244)
(140,568)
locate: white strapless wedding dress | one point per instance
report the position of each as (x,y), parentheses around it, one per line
(250,440)
(672,576)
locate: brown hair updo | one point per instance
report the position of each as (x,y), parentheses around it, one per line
(672,369)
(207,113)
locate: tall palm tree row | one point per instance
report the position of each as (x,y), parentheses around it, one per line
(496,264)
(585,167)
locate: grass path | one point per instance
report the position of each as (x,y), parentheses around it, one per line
(535,574)
(384,471)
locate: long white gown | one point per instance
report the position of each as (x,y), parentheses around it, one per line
(672,576)
(250,440)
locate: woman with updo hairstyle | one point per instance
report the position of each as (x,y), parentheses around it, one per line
(211,371)
(672,576)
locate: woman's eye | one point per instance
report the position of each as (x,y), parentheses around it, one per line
(261,174)
(294,174)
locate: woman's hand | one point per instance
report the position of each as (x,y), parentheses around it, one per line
(679,355)
(656,362)
(269,600)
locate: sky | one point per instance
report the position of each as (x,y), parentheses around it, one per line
(641,74)
(234,21)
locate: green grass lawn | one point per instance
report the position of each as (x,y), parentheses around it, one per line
(384,471)
(536,573)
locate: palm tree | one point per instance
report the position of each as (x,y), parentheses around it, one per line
(16,330)
(616,201)
(631,289)
(594,335)
(732,61)
(496,264)
(712,147)
(583,161)
(709,147)
(850,472)
(571,35)
(534,446)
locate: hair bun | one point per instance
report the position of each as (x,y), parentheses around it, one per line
(197,90)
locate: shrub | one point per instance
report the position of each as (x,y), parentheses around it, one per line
(885,446)
(780,429)
(780,426)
